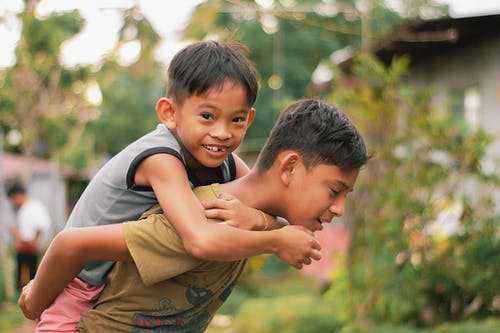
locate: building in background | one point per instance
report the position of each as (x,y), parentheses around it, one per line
(460,59)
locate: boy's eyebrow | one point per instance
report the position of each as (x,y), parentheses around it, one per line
(344,185)
(211,106)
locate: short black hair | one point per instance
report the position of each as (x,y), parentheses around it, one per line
(208,64)
(319,132)
(15,188)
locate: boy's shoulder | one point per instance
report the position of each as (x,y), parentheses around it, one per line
(159,137)
(160,140)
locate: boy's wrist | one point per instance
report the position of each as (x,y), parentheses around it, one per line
(265,221)
(275,241)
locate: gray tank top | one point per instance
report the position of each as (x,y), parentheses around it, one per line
(112,196)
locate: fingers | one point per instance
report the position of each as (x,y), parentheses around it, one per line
(301,263)
(315,254)
(307,261)
(214,213)
(315,244)
(215,203)
(222,208)
(226,197)
(22,300)
(224,201)
(26,289)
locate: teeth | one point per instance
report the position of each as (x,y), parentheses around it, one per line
(214,148)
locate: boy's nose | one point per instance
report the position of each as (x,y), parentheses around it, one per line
(337,209)
(221,133)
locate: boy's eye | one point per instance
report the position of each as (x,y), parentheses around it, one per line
(334,193)
(239,119)
(206,116)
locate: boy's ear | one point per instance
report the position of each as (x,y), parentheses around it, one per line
(288,163)
(165,111)
(251,116)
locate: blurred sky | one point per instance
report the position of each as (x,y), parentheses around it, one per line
(167,17)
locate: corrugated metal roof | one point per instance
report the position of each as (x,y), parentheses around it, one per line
(14,166)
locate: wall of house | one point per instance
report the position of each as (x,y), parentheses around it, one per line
(478,65)
(475,66)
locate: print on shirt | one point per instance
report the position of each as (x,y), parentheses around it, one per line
(227,291)
(165,317)
(195,295)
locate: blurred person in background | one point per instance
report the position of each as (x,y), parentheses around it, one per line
(31,222)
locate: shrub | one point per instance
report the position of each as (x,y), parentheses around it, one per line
(286,314)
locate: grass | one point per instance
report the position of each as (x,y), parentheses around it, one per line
(489,325)
(10,317)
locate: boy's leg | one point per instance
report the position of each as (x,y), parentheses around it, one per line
(23,270)
(64,314)
(19,271)
(26,268)
(32,264)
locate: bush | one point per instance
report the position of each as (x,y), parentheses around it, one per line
(491,325)
(286,314)
(10,317)
(426,245)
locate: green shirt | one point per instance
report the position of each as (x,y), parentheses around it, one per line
(165,289)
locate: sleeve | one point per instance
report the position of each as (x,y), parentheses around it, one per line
(157,249)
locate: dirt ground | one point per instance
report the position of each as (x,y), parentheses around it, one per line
(27,327)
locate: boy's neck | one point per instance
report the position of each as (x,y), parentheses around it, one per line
(254,190)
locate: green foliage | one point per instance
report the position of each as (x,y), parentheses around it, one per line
(127,112)
(486,326)
(47,102)
(38,91)
(286,314)
(402,267)
(10,317)
(287,54)
(46,36)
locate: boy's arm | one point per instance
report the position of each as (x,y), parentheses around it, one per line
(237,214)
(167,176)
(20,243)
(68,253)
(229,209)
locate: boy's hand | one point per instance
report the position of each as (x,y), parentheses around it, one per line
(14,230)
(235,213)
(22,302)
(297,246)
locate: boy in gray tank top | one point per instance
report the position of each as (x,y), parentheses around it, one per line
(203,119)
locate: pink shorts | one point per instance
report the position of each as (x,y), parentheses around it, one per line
(64,314)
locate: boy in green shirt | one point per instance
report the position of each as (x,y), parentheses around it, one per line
(304,172)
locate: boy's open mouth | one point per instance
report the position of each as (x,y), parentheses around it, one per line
(320,223)
(216,149)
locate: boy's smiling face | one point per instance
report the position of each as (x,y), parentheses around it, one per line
(317,195)
(212,125)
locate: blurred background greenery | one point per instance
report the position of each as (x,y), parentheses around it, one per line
(400,272)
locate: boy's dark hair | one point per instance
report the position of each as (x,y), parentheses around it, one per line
(15,188)
(204,65)
(319,132)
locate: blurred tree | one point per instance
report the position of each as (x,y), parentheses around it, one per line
(78,114)
(38,93)
(288,40)
(424,248)
(129,89)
